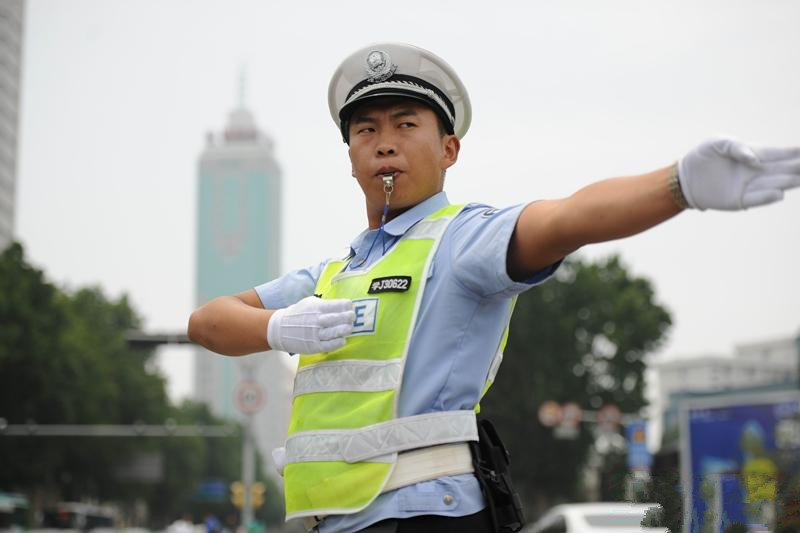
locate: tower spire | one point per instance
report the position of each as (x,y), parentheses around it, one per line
(242,83)
(241,124)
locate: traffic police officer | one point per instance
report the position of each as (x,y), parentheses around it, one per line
(399,340)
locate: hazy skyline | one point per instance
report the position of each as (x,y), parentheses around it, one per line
(117,97)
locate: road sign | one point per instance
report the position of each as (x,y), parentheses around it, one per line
(257,494)
(211,490)
(639,458)
(571,416)
(238,490)
(608,418)
(237,494)
(249,397)
(550,413)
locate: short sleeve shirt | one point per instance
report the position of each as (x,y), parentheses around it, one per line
(464,311)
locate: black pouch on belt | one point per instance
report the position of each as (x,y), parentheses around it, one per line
(490,459)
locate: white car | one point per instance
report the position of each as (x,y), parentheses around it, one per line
(617,517)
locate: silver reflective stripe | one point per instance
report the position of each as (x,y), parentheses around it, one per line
(495,366)
(353,375)
(428,229)
(371,442)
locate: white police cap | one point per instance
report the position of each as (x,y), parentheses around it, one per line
(396,69)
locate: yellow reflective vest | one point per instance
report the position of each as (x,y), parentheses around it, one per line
(344,433)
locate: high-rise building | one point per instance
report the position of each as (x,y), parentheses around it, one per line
(11,20)
(238,246)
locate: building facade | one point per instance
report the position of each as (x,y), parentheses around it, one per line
(238,247)
(11,25)
(773,362)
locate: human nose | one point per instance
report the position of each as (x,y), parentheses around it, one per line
(386,145)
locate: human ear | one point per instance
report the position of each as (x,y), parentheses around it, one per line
(352,164)
(451,145)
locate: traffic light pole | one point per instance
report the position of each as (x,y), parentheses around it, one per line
(248,471)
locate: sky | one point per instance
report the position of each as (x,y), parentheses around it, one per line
(117,97)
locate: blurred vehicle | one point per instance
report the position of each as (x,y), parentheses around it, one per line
(78,517)
(13,512)
(601,517)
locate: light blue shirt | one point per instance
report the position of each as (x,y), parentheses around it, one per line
(462,317)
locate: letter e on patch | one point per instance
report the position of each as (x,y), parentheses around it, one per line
(366,310)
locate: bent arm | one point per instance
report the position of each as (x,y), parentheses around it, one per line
(231,325)
(549,230)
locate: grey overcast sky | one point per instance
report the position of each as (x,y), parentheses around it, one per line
(117,97)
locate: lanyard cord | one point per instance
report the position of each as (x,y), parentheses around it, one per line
(388,188)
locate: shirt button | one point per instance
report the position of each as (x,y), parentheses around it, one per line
(447,499)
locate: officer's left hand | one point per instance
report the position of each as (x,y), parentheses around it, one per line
(312,325)
(730,175)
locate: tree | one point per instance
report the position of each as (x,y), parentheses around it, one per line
(581,337)
(64,360)
(31,378)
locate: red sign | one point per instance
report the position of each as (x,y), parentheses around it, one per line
(609,417)
(249,397)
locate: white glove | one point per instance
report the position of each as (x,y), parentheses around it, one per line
(279,458)
(312,325)
(730,175)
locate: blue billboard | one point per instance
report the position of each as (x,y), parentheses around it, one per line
(639,457)
(735,452)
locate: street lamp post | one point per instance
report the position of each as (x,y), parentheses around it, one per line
(249,399)
(248,467)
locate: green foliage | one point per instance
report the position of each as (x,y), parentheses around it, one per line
(64,360)
(613,477)
(31,326)
(581,337)
(665,489)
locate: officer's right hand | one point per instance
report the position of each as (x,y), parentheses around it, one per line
(730,175)
(312,325)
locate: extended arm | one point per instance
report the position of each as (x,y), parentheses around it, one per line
(549,230)
(718,174)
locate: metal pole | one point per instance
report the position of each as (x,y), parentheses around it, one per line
(248,470)
(797,344)
(168,429)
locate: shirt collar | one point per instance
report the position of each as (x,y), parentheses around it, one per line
(403,222)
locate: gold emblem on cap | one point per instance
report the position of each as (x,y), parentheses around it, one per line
(379,66)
